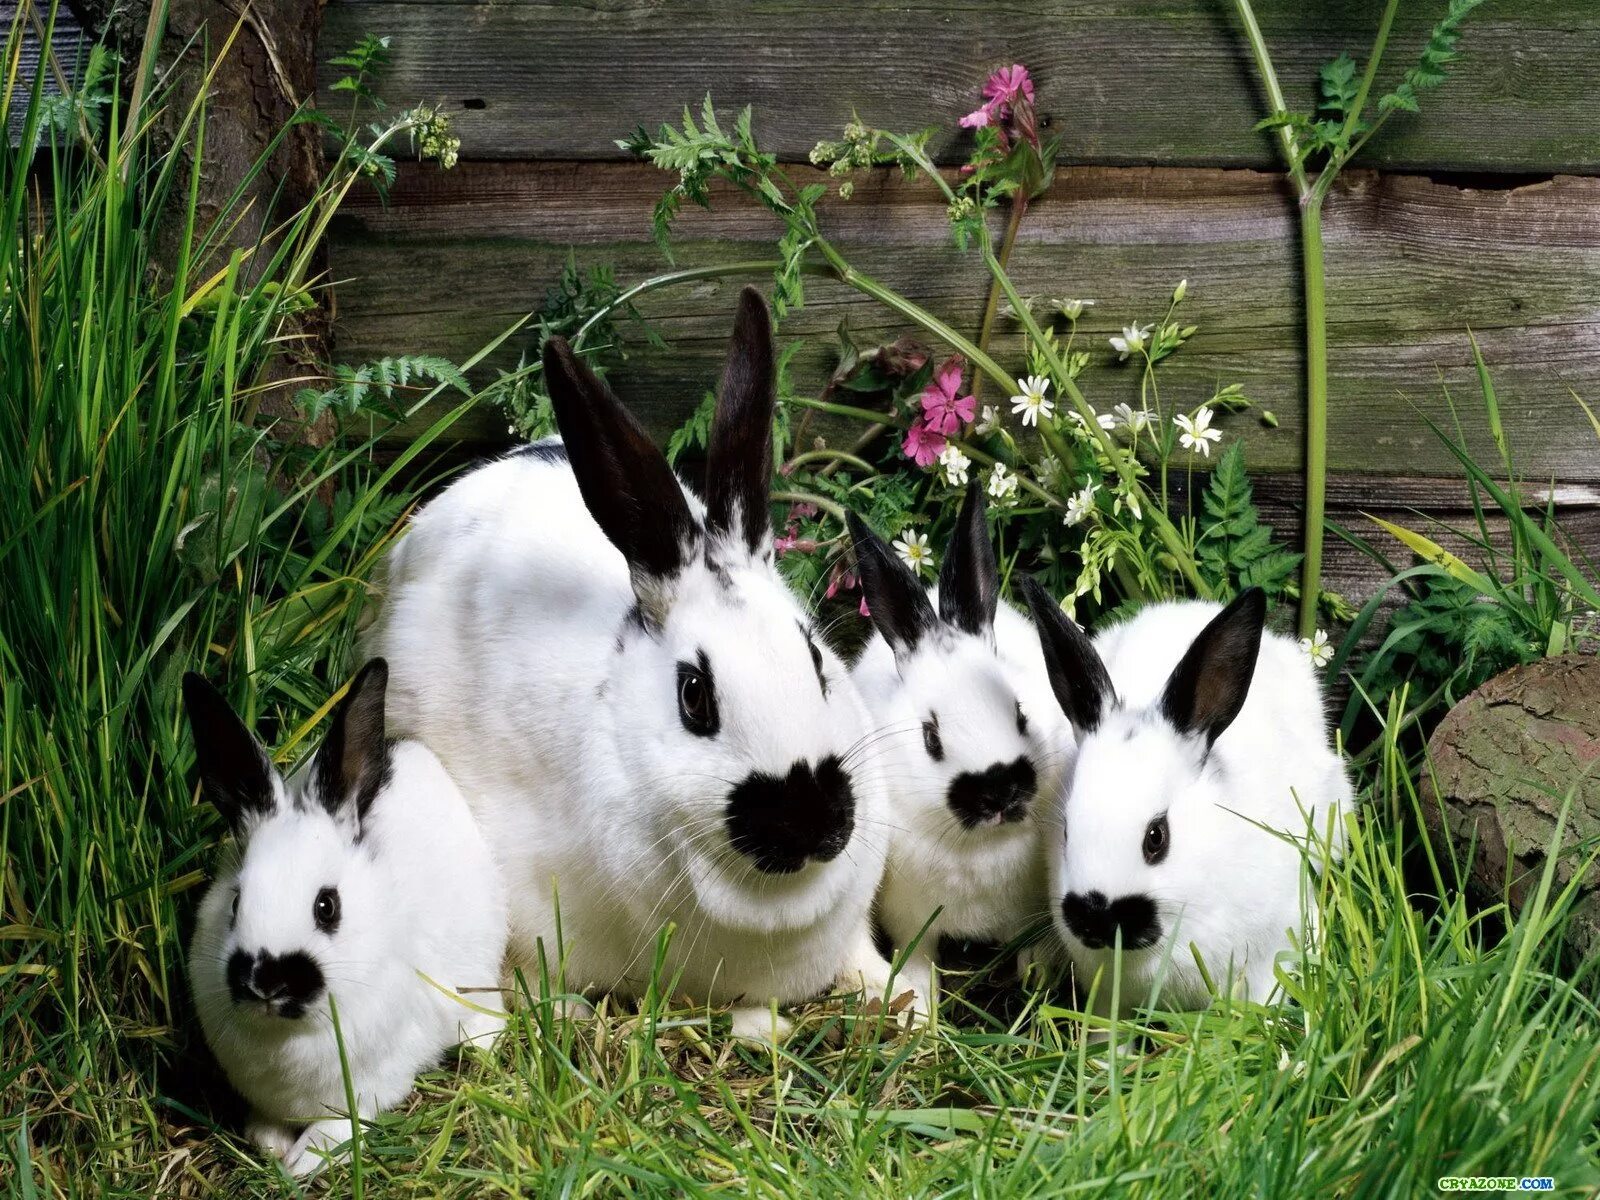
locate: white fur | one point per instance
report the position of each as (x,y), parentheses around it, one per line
(506,621)
(989,883)
(1227,887)
(419,895)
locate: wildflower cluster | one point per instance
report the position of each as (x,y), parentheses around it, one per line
(1083,494)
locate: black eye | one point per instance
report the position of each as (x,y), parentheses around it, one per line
(1156,840)
(234,914)
(1022,720)
(697,702)
(931,739)
(326,910)
(816,663)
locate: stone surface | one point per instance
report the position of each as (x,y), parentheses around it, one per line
(1503,761)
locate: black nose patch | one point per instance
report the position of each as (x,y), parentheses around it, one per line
(286,983)
(1094,921)
(781,823)
(997,796)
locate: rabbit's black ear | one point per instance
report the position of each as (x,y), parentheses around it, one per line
(626,484)
(969,580)
(739,458)
(235,770)
(353,763)
(1077,675)
(896,600)
(1208,687)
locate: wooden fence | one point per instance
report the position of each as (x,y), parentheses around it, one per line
(1481,213)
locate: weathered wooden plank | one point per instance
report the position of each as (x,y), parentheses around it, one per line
(1412,264)
(66,40)
(1123,81)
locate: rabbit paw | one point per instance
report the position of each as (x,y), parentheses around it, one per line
(760,1025)
(322,1142)
(275,1138)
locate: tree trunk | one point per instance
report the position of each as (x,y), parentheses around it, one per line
(270,73)
(1504,761)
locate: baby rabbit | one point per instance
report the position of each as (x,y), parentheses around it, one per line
(972,736)
(650,727)
(1204,746)
(364,880)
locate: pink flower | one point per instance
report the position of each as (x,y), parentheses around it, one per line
(840,581)
(1006,84)
(923,443)
(1007,94)
(942,410)
(864,610)
(802,511)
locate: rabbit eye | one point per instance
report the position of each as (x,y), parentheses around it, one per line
(1156,840)
(1022,720)
(932,740)
(697,702)
(233,914)
(326,910)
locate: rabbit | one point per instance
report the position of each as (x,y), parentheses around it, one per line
(1204,786)
(651,727)
(363,880)
(974,735)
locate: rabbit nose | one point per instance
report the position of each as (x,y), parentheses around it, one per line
(286,983)
(1096,921)
(997,796)
(783,823)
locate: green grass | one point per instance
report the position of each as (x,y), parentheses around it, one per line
(150,524)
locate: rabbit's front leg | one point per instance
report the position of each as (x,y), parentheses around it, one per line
(760,1025)
(874,976)
(322,1142)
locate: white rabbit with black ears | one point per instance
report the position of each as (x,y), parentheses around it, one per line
(973,736)
(365,879)
(1205,785)
(650,727)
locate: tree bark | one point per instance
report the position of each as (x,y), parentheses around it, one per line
(269,75)
(1503,762)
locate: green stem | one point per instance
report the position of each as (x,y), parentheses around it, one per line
(1353,117)
(917,315)
(1316,406)
(1269,81)
(669,279)
(830,507)
(830,455)
(1019,205)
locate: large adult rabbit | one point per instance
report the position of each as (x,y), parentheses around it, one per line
(647,722)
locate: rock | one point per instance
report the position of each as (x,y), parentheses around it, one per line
(1504,760)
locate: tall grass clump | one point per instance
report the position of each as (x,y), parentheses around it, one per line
(151,521)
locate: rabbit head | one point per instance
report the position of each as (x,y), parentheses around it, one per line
(977,761)
(303,908)
(736,724)
(1152,827)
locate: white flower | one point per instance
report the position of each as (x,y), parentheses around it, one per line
(1031,400)
(1079,505)
(1179,292)
(1197,434)
(912,547)
(953,465)
(1104,420)
(1131,341)
(1317,649)
(1073,309)
(988,420)
(1130,420)
(1131,499)
(1002,483)
(1048,472)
